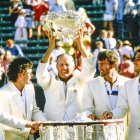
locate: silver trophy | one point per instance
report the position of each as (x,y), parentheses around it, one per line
(64,24)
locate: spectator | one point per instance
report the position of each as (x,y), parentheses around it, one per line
(110,13)
(40,8)
(8,58)
(99,47)
(127,49)
(29,18)
(103,37)
(3,77)
(89,28)
(129,18)
(119,24)
(127,66)
(21,28)
(58,6)
(13,48)
(14,11)
(111,40)
(57,50)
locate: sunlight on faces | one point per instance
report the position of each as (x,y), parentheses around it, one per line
(26,77)
(65,66)
(137,63)
(104,67)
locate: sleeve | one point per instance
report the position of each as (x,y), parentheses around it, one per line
(87,101)
(122,104)
(5,106)
(88,69)
(12,121)
(42,75)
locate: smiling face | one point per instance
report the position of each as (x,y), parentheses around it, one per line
(65,66)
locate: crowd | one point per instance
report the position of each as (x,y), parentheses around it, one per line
(102,83)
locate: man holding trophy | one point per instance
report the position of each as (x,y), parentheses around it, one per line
(63,92)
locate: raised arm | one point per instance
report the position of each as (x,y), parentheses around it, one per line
(80,43)
(47,55)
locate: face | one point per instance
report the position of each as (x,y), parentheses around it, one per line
(26,78)
(105,68)
(137,63)
(65,66)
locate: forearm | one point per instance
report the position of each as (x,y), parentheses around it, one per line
(46,57)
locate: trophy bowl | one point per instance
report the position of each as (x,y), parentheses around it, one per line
(64,24)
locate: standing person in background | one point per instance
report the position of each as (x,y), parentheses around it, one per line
(29,17)
(111,40)
(129,18)
(14,9)
(40,8)
(21,28)
(17,98)
(103,37)
(110,13)
(58,6)
(119,23)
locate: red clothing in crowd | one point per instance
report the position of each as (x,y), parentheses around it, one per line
(39,10)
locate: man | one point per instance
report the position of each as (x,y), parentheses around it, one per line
(17,98)
(100,94)
(15,122)
(13,48)
(63,93)
(129,101)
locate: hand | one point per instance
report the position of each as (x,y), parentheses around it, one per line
(92,116)
(106,115)
(35,127)
(51,37)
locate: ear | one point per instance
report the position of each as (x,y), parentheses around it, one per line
(114,65)
(19,75)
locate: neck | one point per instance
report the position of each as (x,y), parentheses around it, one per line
(111,78)
(19,86)
(67,79)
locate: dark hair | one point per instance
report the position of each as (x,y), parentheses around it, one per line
(18,65)
(110,55)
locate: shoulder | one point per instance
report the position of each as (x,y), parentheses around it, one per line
(95,80)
